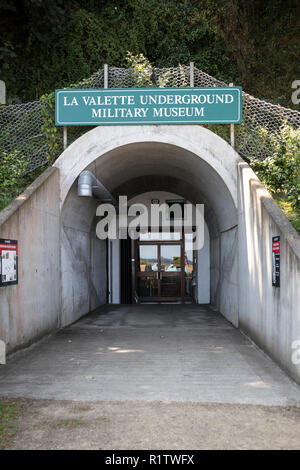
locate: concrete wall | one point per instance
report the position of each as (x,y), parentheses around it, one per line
(192,154)
(203,271)
(191,158)
(83,259)
(269,315)
(98,272)
(215,272)
(31,308)
(224,285)
(115,267)
(62,265)
(228,277)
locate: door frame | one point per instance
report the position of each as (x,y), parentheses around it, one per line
(181,274)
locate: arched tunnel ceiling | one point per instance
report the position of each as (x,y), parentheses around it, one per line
(135,168)
(142,184)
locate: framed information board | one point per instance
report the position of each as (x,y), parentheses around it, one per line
(276,261)
(8,262)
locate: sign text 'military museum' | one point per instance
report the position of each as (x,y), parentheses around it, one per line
(110,106)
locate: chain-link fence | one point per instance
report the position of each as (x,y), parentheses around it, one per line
(25,128)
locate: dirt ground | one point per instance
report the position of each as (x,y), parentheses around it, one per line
(50,424)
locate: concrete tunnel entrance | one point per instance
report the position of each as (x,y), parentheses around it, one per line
(66,271)
(146,163)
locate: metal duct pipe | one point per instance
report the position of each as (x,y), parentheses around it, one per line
(89,185)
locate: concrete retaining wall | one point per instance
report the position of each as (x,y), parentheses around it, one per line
(224,274)
(83,259)
(228,278)
(269,315)
(62,268)
(30,309)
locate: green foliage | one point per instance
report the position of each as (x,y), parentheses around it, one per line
(281,172)
(9,411)
(142,69)
(222,131)
(48,45)
(53,137)
(6,55)
(290,212)
(12,169)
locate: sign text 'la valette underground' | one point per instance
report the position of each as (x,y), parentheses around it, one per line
(221,105)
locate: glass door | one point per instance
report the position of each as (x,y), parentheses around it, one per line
(159,271)
(147,274)
(170,278)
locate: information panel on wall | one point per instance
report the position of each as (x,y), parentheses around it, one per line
(8,262)
(276,261)
(111,106)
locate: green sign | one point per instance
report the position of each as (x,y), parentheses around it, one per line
(111,106)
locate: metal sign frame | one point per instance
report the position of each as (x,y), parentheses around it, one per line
(276,261)
(136,106)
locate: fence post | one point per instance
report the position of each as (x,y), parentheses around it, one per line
(65,137)
(231,129)
(105,76)
(191,74)
(2,92)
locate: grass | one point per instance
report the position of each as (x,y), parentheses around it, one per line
(69,423)
(10,410)
(83,408)
(292,214)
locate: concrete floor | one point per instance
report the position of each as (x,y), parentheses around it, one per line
(182,353)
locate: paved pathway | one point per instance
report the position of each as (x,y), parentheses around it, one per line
(181,353)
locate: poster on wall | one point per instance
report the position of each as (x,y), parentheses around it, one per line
(8,262)
(276,261)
